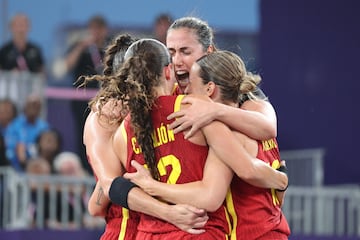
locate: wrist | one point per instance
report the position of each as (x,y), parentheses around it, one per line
(219,111)
(119,190)
(162,211)
(284,170)
(153,189)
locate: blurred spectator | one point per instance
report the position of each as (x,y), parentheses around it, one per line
(49,145)
(38,167)
(8,113)
(3,159)
(161,25)
(21,134)
(85,58)
(20,53)
(68,164)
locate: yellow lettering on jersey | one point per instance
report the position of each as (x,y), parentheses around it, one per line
(269,144)
(170,160)
(135,147)
(162,135)
(275,165)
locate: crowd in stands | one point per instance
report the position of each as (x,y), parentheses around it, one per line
(29,143)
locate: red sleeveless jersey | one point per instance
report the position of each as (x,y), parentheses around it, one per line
(255,212)
(121,223)
(178,161)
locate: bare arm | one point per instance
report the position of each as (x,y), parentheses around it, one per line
(106,165)
(209,193)
(98,203)
(256,119)
(248,168)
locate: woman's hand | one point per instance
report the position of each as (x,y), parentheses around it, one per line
(202,111)
(141,177)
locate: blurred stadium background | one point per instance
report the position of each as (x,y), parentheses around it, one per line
(307,53)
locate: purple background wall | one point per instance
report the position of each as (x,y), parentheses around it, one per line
(309,53)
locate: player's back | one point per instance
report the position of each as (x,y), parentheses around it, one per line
(178,161)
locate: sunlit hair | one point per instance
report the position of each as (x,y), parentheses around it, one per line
(201,29)
(227,70)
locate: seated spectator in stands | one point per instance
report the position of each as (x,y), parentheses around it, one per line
(161,25)
(68,164)
(21,134)
(19,53)
(3,159)
(49,145)
(38,167)
(8,113)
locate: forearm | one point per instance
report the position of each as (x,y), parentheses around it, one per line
(265,176)
(196,194)
(247,167)
(137,200)
(257,123)
(140,201)
(208,193)
(98,202)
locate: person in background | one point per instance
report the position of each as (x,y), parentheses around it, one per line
(21,134)
(84,58)
(35,167)
(8,112)
(161,25)
(68,164)
(20,54)
(49,145)
(4,162)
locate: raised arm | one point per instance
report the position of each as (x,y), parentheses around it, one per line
(255,118)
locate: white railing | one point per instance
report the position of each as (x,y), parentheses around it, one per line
(31,201)
(323,211)
(305,166)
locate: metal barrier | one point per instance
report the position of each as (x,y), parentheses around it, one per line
(305,166)
(323,211)
(316,211)
(32,201)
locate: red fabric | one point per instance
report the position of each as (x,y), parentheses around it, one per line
(254,215)
(182,162)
